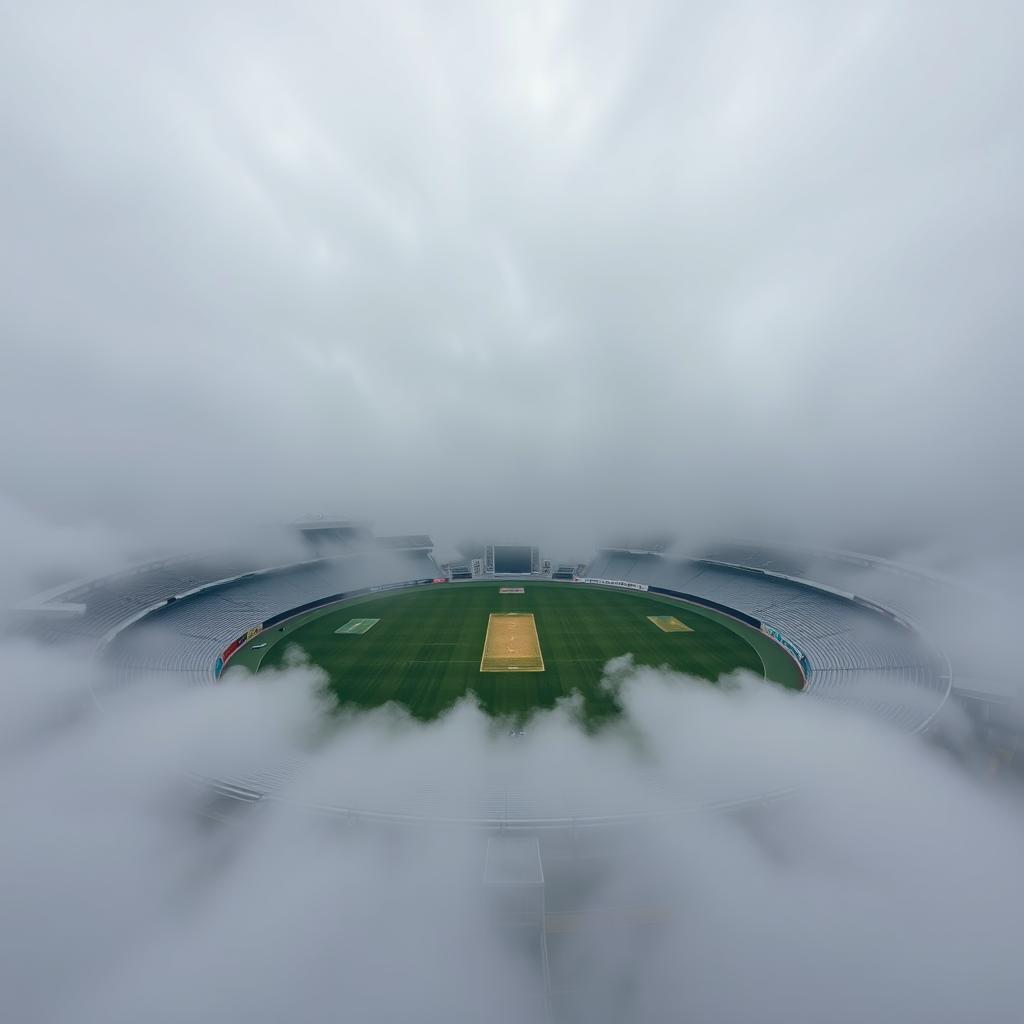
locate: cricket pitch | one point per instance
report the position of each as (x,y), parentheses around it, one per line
(669,623)
(511,644)
(358,626)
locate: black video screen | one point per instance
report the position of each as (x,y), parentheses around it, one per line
(508,558)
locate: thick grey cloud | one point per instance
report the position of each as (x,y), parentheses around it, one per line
(709,265)
(541,269)
(883,888)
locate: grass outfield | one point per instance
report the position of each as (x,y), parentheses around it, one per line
(424,645)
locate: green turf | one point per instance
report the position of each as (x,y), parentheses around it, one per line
(424,652)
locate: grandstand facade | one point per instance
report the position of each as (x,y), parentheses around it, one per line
(848,619)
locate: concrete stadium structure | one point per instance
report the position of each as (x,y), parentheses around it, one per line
(849,619)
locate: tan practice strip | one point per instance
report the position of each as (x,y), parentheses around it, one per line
(511,644)
(670,624)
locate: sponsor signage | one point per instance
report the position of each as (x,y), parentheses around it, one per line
(400,586)
(625,584)
(780,639)
(223,660)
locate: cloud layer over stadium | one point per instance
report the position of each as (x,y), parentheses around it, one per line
(551,269)
(749,270)
(883,890)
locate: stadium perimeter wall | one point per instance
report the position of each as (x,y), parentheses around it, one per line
(261,789)
(321,602)
(792,650)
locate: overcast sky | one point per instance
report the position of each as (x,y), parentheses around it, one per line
(702,264)
(530,271)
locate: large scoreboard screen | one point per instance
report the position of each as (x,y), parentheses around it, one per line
(508,558)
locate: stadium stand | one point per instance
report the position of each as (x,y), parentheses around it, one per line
(855,654)
(171,620)
(412,542)
(850,615)
(188,635)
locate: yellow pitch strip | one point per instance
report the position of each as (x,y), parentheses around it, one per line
(669,624)
(511,644)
